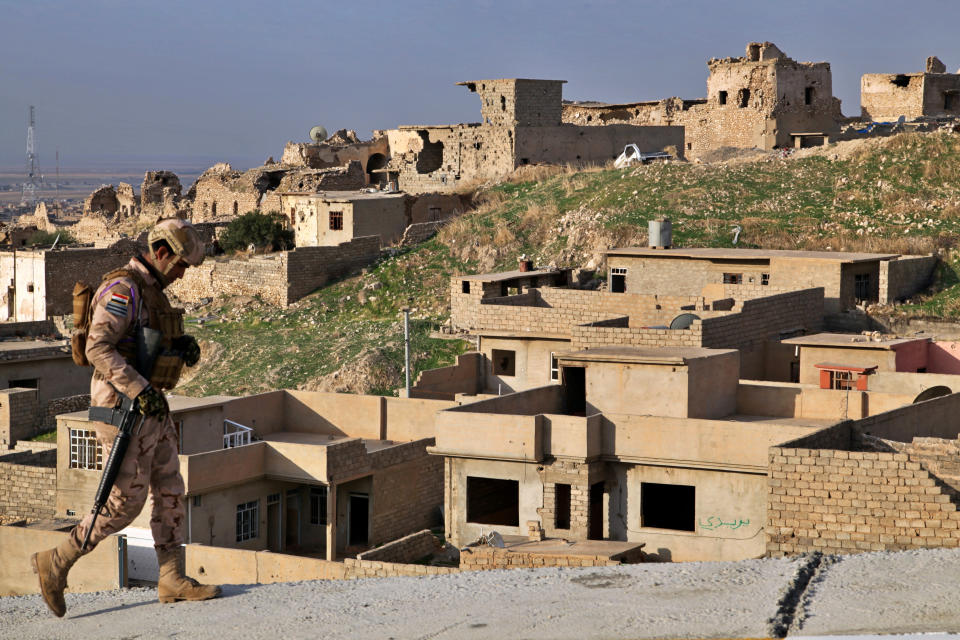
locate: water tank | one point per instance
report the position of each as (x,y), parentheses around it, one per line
(661,234)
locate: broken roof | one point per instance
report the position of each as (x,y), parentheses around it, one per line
(751,254)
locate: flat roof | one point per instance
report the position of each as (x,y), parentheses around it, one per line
(850,340)
(750,254)
(185,403)
(510,275)
(645,355)
(14,349)
(326,439)
(348,196)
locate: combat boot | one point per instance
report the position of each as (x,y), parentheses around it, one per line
(52,566)
(173,585)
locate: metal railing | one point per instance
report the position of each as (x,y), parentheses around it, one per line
(235,434)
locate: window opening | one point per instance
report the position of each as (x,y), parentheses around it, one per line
(236,207)
(214,208)
(808,95)
(554,367)
(668,506)
(842,380)
(951,100)
(504,362)
(493,501)
(85,451)
(743,98)
(733,278)
(336,220)
(26,383)
(247,520)
(765,279)
(561,510)
(722,97)
(618,280)
(465,286)
(197,501)
(318,505)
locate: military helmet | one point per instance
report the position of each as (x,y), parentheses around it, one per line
(183,238)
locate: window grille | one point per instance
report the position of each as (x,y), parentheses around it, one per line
(336,220)
(247,520)
(85,451)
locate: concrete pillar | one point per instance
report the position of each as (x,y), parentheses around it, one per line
(332,522)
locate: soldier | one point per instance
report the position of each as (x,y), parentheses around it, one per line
(127,300)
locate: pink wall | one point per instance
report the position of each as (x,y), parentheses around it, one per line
(943,357)
(912,355)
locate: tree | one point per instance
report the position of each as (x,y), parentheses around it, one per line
(48,237)
(262,230)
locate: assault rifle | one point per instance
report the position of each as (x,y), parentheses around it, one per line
(127,418)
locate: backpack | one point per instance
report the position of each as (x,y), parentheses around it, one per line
(82,309)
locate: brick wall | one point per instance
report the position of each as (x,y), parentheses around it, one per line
(377,569)
(905,276)
(67,404)
(64,268)
(404,550)
(577,475)
(762,318)
(848,501)
(407,496)
(19,417)
(29,482)
(596,335)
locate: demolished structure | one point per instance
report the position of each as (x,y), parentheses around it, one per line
(932,93)
(521,125)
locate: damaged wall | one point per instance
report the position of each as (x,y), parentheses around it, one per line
(933,93)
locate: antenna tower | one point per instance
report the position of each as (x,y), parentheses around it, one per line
(34,179)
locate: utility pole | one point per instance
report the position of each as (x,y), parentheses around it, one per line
(34,179)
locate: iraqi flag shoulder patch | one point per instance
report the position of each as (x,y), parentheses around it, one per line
(118,303)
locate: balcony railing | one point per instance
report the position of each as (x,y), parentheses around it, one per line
(235,434)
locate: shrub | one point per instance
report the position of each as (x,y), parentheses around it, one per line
(48,237)
(262,230)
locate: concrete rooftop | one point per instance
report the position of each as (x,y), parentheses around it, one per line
(643,355)
(751,254)
(853,340)
(510,275)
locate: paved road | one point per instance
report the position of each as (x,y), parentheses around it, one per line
(813,595)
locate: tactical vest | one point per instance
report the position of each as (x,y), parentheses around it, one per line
(161,315)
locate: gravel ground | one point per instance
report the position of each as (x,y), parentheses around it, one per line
(870,593)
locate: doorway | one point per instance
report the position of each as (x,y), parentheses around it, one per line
(575,390)
(358,519)
(273,523)
(595,531)
(293,519)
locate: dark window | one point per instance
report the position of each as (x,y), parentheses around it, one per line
(950,101)
(667,506)
(618,280)
(722,97)
(575,390)
(359,519)
(465,286)
(595,524)
(434,213)
(236,207)
(808,95)
(336,220)
(561,510)
(765,279)
(554,367)
(733,278)
(493,501)
(743,98)
(861,286)
(214,208)
(26,383)
(318,505)
(689,146)
(504,362)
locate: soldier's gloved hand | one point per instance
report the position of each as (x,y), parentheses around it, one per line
(187,345)
(152,403)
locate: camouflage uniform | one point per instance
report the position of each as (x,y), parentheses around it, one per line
(126,300)
(151,461)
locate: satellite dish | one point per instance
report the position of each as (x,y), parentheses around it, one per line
(932,392)
(318,134)
(683,321)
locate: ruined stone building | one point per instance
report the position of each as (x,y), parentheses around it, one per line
(521,124)
(762,100)
(930,93)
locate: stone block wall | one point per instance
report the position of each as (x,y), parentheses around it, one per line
(67,404)
(905,276)
(596,335)
(762,318)
(407,496)
(29,482)
(404,550)
(64,268)
(578,476)
(377,569)
(281,278)
(849,501)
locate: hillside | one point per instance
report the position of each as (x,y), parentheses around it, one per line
(899,194)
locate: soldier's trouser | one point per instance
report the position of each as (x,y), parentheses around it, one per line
(151,462)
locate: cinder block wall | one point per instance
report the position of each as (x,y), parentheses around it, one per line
(19,417)
(29,482)
(905,276)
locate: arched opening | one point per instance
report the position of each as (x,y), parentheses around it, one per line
(933,392)
(375,162)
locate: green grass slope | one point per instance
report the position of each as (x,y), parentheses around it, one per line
(899,194)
